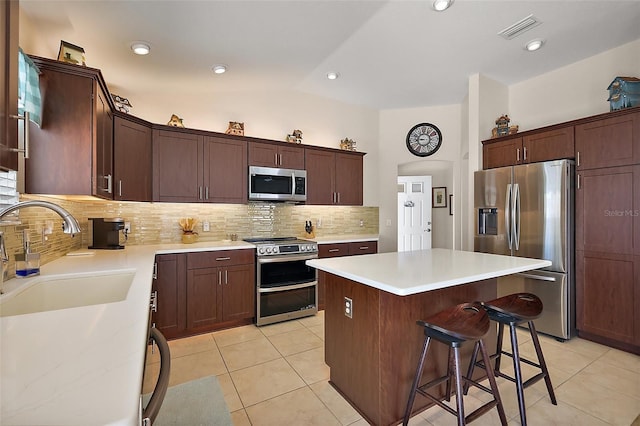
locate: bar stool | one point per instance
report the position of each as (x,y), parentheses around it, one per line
(513,310)
(453,327)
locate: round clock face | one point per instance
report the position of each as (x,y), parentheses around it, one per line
(424,139)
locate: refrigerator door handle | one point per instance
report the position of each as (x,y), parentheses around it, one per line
(507,213)
(536,277)
(515,212)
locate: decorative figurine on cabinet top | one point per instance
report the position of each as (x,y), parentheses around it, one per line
(347,144)
(502,127)
(295,136)
(175,121)
(624,92)
(121,104)
(235,128)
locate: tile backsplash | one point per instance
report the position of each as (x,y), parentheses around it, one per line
(153,223)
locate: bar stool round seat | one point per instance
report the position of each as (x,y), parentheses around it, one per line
(513,310)
(467,322)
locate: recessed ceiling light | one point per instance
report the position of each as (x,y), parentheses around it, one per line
(332,75)
(140,48)
(534,45)
(219,69)
(441,5)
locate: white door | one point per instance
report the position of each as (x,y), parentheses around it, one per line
(414,213)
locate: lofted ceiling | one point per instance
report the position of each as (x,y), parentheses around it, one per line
(389,54)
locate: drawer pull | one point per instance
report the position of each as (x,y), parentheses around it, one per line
(219,259)
(364,248)
(334,250)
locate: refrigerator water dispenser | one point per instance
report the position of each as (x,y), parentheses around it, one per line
(488,221)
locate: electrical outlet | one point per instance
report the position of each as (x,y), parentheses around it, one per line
(205,226)
(319,223)
(348,307)
(361,223)
(127,227)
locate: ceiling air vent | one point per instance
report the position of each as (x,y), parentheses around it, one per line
(519,27)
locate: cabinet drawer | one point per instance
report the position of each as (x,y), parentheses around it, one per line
(363,247)
(212,259)
(333,250)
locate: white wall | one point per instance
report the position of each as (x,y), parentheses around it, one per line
(574,91)
(394,156)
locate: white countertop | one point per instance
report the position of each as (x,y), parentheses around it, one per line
(413,272)
(83,365)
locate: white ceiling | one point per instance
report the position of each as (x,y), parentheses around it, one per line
(390,54)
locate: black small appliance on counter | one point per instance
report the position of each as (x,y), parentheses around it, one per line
(106,233)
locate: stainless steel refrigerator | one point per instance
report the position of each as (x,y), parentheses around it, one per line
(528,211)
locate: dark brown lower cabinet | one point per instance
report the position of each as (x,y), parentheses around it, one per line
(338,250)
(210,291)
(607,299)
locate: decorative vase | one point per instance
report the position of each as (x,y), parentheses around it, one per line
(189,238)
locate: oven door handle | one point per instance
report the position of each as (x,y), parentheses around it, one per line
(287,287)
(287,258)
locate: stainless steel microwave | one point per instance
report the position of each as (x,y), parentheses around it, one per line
(274,184)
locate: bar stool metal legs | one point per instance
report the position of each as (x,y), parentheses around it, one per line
(514,310)
(453,327)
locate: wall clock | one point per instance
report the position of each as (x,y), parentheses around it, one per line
(424,139)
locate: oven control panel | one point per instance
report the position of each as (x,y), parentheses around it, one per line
(283,249)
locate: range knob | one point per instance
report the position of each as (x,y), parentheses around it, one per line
(269,249)
(276,250)
(261,250)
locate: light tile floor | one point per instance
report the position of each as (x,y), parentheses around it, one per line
(276,375)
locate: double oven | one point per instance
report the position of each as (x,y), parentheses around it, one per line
(286,288)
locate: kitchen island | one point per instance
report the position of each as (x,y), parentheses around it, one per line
(373,352)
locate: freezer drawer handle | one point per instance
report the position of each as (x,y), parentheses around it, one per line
(536,277)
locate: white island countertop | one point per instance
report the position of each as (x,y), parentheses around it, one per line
(83,365)
(412,272)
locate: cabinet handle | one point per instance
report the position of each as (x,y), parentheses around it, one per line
(219,277)
(109,179)
(338,198)
(518,155)
(578,159)
(199,193)
(578,181)
(226,276)
(524,153)
(334,250)
(219,259)
(280,159)
(364,248)
(206,192)
(25,134)
(120,188)
(155,271)
(275,158)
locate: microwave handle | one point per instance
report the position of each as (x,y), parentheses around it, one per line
(293,184)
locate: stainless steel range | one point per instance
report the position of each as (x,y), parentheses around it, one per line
(286,287)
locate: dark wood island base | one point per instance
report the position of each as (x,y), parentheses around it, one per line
(373,355)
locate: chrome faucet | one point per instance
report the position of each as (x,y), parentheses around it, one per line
(69,226)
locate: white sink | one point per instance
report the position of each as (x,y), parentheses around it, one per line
(50,293)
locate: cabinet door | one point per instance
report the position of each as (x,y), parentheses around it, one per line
(170,317)
(238,292)
(348,183)
(609,142)
(132,160)
(61,154)
(103,163)
(263,154)
(177,166)
(363,247)
(607,296)
(225,170)
(9,85)
(204,307)
(320,166)
(502,153)
(291,157)
(607,210)
(551,145)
